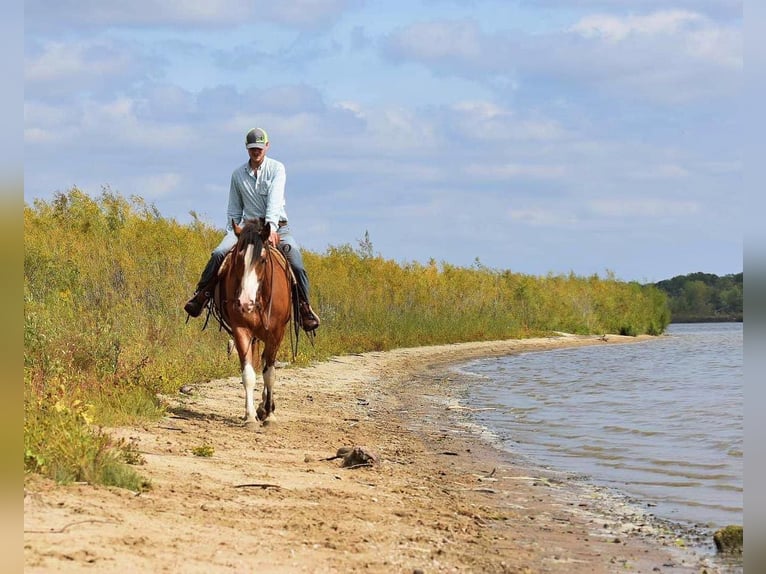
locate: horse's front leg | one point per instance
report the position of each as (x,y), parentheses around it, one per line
(245,348)
(248,381)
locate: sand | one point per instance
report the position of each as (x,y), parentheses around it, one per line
(273,499)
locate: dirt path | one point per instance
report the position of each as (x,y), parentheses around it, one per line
(268,500)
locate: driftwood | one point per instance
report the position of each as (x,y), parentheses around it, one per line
(356,456)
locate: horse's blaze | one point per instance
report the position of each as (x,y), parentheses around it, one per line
(248,296)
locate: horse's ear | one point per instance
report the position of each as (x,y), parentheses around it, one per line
(237,228)
(265,232)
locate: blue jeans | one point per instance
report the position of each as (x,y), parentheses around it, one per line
(293,255)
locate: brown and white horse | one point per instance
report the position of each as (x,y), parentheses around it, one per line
(256,296)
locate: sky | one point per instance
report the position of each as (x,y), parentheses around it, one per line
(541,137)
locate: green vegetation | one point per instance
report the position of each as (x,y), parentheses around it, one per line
(703,297)
(729,539)
(204,450)
(60,442)
(105,333)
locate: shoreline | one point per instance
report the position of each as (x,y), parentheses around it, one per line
(275,499)
(622,512)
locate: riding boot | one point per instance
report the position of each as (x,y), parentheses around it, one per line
(309,319)
(195,305)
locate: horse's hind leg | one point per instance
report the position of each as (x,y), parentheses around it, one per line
(266,408)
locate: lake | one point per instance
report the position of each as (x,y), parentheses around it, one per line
(661,421)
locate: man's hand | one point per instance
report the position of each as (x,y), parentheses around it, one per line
(274,238)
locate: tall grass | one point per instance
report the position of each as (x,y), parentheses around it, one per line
(105,280)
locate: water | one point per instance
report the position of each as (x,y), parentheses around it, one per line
(661,421)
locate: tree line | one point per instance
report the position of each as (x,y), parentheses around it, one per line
(704,297)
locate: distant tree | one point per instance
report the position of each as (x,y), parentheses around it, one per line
(704,297)
(731,299)
(365,246)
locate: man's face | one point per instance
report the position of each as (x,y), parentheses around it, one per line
(257,154)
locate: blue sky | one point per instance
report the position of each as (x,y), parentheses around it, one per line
(540,137)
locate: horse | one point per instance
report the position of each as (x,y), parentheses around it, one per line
(254,297)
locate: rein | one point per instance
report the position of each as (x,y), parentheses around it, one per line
(269,260)
(275,258)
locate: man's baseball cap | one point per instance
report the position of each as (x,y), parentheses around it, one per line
(256,137)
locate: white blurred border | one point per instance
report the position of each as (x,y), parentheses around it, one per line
(754,127)
(11,261)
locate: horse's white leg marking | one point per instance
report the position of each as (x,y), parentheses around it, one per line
(269,375)
(249,292)
(248,380)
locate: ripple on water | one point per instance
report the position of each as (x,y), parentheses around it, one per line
(661,420)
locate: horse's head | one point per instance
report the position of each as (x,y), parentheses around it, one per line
(249,258)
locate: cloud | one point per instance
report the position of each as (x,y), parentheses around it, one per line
(438,42)
(166,103)
(664,57)
(488,122)
(154,186)
(57,62)
(643,208)
(298,53)
(99,67)
(43,121)
(661,172)
(542,217)
(713,8)
(615,29)
(457,47)
(69,14)
(688,33)
(499,172)
(668,58)
(291,99)
(304,13)
(110,125)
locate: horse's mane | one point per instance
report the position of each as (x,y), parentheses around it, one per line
(251,233)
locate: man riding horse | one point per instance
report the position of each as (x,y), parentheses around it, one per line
(257,192)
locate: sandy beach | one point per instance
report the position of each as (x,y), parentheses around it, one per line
(276,499)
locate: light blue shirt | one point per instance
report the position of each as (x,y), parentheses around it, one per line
(263,196)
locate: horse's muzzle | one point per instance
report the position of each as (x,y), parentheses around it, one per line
(247,306)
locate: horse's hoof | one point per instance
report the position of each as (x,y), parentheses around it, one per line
(251,424)
(269,420)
